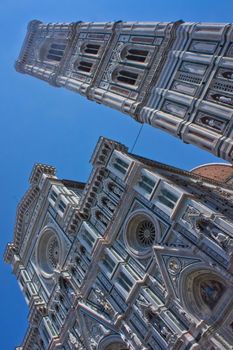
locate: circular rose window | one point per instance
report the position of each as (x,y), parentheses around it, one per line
(48,252)
(141,232)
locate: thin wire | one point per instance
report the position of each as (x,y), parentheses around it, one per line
(137,137)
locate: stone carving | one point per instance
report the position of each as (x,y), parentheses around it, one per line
(222,99)
(109,71)
(149,311)
(116,55)
(74,342)
(103,301)
(223,240)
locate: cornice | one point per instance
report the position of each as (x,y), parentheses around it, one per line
(31,32)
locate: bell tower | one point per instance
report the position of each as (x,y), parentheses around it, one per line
(174,76)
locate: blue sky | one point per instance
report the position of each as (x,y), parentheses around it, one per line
(40,123)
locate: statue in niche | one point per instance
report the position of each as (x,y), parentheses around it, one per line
(228,75)
(207,227)
(213,123)
(223,99)
(211,291)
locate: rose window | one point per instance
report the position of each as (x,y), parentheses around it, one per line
(48,252)
(53,252)
(145,233)
(141,232)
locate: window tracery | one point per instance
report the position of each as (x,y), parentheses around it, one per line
(48,253)
(140,234)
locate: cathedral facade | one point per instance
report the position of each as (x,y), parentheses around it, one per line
(138,257)
(174,76)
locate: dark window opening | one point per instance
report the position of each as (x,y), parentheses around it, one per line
(58,46)
(136,55)
(92,49)
(85,66)
(127,77)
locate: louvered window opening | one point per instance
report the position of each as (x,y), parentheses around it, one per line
(92,49)
(56,52)
(127,77)
(85,66)
(136,55)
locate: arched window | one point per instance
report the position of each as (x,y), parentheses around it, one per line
(56,52)
(134,54)
(91,49)
(125,77)
(84,66)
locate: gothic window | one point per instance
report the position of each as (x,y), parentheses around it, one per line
(146,184)
(91,49)
(56,52)
(140,234)
(124,76)
(120,165)
(167,198)
(83,66)
(134,54)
